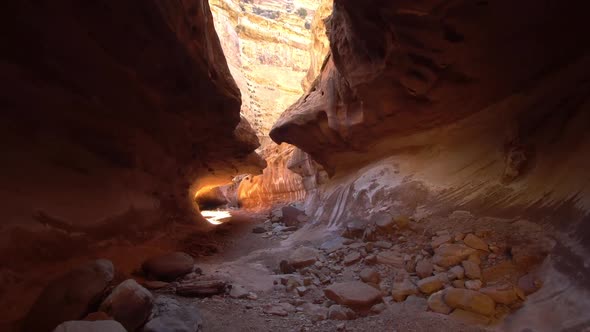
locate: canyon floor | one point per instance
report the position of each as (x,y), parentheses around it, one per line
(281,278)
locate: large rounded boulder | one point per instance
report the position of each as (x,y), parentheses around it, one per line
(130,304)
(69,297)
(168,266)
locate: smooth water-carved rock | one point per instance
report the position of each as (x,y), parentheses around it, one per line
(169,266)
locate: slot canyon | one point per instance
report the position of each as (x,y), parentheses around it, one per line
(295,165)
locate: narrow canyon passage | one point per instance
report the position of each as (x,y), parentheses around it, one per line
(295,165)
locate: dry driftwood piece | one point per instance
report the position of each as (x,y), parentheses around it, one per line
(201,288)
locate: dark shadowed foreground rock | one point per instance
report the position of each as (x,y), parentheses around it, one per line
(353,294)
(169,266)
(70,296)
(170,316)
(96,326)
(130,304)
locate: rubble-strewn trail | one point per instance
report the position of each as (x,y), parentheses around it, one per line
(392,274)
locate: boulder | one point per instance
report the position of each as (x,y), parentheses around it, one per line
(353,294)
(130,304)
(384,222)
(451,254)
(424,268)
(473,284)
(469,300)
(169,266)
(472,270)
(430,285)
(351,258)
(303,257)
(238,292)
(170,316)
(456,272)
(355,229)
(402,289)
(286,268)
(436,303)
(475,242)
(392,258)
(70,296)
(503,293)
(370,275)
(316,312)
(292,216)
(90,326)
(440,240)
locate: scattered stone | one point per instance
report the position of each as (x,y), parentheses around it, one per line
(530,283)
(170,316)
(392,258)
(338,312)
(351,258)
(90,326)
(378,308)
(303,257)
(353,294)
(371,259)
(451,254)
(354,229)
(503,293)
(238,292)
(301,290)
(168,267)
(473,284)
(475,242)
(469,300)
(439,240)
(276,310)
(436,303)
(430,285)
(316,312)
(383,244)
(286,268)
(424,268)
(70,296)
(200,288)
(384,222)
(456,272)
(258,230)
(402,289)
(459,283)
(130,304)
(470,318)
(370,275)
(472,270)
(155,284)
(292,216)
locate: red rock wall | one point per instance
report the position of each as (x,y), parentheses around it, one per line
(109,106)
(426,107)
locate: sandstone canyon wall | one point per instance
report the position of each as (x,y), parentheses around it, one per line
(110,107)
(274,48)
(427,107)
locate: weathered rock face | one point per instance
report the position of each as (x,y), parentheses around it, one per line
(424,107)
(266,43)
(270,45)
(99,118)
(417,98)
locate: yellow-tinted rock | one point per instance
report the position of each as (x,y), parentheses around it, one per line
(470,300)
